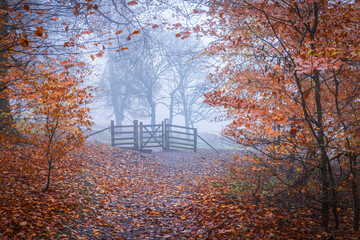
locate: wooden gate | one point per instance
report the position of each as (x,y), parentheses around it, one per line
(179,137)
(165,136)
(125,136)
(151,136)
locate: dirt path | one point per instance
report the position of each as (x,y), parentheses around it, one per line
(148,192)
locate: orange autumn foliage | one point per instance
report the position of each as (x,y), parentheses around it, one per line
(42,95)
(289,80)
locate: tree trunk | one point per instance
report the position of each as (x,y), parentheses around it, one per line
(48,175)
(324,159)
(171,107)
(354,186)
(114,95)
(6,119)
(320,135)
(152,105)
(184,104)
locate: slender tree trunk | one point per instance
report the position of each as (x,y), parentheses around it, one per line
(6,120)
(355,193)
(48,175)
(153,113)
(121,111)
(334,197)
(324,159)
(171,107)
(152,106)
(184,104)
(320,136)
(114,94)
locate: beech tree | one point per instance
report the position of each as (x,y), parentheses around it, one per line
(289,79)
(42,93)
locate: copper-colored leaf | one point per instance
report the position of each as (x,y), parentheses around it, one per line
(24,41)
(118,32)
(293,131)
(99,54)
(132,3)
(80,64)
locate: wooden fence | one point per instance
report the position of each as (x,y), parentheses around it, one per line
(166,136)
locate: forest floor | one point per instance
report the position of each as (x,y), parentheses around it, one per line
(104,192)
(148,193)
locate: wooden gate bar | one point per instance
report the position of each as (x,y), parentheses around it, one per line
(182,144)
(184,133)
(184,139)
(123,138)
(126,132)
(177,126)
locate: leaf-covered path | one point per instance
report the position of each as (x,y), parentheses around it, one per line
(139,195)
(104,192)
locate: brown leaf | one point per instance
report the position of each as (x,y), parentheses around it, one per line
(23,223)
(131,3)
(118,32)
(99,54)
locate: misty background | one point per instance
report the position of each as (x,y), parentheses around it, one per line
(151,66)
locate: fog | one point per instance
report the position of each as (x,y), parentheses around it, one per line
(154,68)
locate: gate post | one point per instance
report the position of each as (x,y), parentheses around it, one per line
(166,134)
(112,132)
(195,140)
(163,135)
(136,134)
(141,136)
